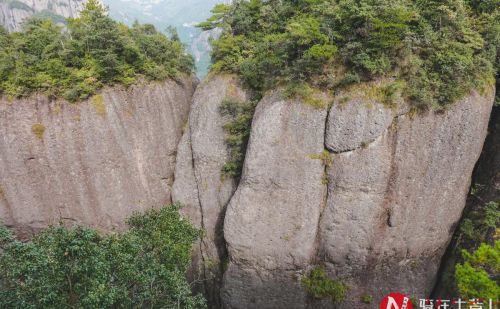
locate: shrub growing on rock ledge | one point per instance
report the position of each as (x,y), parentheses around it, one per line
(143,267)
(237,131)
(319,286)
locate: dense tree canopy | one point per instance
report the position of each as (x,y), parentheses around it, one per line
(143,267)
(93,51)
(439,49)
(476,276)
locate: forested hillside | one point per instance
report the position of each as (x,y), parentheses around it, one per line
(95,51)
(435,51)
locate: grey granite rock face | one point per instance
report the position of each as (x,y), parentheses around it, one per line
(378,216)
(272,219)
(93,162)
(199,183)
(396,188)
(486,181)
(356,123)
(392,205)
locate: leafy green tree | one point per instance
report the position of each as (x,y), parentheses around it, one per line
(475,277)
(143,267)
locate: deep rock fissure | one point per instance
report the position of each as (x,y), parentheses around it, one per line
(317,257)
(202,220)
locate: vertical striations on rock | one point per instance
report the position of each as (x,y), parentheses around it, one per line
(93,162)
(271,221)
(199,183)
(393,203)
(485,188)
(395,189)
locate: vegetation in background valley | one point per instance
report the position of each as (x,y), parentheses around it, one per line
(92,52)
(78,267)
(439,49)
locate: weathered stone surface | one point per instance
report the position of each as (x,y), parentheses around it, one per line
(14,13)
(200,185)
(486,182)
(271,221)
(392,205)
(96,161)
(356,123)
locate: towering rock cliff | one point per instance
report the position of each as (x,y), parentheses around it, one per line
(14,12)
(199,183)
(485,189)
(93,162)
(368,193)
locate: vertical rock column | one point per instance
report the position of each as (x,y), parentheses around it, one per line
(199,183)
(271,222)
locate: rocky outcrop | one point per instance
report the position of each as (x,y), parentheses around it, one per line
(272,220)
(356,124)
(368,193)
(199,183)
(393,204)
(14,12)
(93,162)
(485,189)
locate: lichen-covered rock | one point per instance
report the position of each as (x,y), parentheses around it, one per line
(93,162)
(199,183)
(271,222)
(392,205)
(356,123)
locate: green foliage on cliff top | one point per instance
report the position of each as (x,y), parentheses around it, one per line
(95,51)
(440,49)
(143,267)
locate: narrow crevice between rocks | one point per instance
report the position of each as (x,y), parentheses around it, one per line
(365,145)
(317,258)
(202,219)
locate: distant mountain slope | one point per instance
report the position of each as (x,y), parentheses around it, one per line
(182,14)
(14,12)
